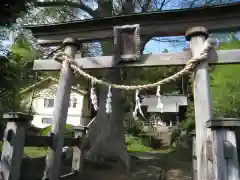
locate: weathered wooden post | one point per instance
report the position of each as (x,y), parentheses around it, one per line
(194,157)
(224,146)
(202,103)
(13,145)
(77,160)
(53,159)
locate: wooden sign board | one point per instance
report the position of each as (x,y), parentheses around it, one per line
(127,42)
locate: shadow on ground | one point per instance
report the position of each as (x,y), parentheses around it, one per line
(175,165)
(150,166)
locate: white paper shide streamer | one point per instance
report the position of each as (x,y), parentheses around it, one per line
(159,100)
(108,101)
(93,97)
(137,105)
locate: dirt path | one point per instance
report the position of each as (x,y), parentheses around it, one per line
(145,166)
(150,166)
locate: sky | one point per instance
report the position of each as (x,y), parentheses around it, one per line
(157,47)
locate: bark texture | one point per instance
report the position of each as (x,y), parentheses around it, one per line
(106,136)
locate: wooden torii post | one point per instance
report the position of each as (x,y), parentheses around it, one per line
(202,103)
(13,145)
(224,148)
(53,159)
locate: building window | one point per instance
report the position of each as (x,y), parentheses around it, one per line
(47,120)
(48,103)
(74,104)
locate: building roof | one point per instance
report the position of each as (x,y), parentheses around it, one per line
(39,83)
(170,103)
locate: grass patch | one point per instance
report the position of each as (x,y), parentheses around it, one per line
(35,152)
(135,144)
(31,152)
(68,131)
(180,154)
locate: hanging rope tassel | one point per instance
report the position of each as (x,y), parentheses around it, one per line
(108,101)
(93,97)
(137,105)
(159,101)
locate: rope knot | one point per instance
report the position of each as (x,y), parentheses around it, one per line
(212,42)
(62,56)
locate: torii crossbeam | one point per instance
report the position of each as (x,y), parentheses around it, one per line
(160,59)
(222,18)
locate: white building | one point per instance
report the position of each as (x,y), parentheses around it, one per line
(173,107)
(42,97)
(166,119)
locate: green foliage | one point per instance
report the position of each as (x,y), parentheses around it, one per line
(149,75)
(189,124)
(135,144)
(22,50)
(68,131)
(15,74)
(225,86)
(133,129)
(10,10)
(225,91)
(165,50)
(233,43)
(175,135)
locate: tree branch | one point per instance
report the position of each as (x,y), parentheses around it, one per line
(127,7)
(177,41)
(146,5)
(164,2)
(79,5)
(192,4)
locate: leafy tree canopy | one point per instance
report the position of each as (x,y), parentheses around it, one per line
(10,10)
(225,85)
(15,74)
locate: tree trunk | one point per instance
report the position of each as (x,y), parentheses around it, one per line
(105,140)
(106,136)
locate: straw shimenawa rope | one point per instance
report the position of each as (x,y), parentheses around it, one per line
(189,67)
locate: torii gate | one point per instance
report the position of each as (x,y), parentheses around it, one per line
(215,148)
